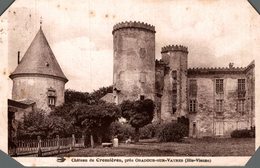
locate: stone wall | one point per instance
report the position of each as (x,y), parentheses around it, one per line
(160,72)
(206,121)
(36,88)
(250,77)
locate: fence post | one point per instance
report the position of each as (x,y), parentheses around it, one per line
(83,141)
(39,146)
(58,143)
(91,141)
(73,141)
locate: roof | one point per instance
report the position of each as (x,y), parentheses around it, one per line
(39,60)
(20,104)
(109,97)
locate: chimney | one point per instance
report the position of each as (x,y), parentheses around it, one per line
(18,61)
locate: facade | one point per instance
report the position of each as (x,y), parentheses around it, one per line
(38,76)
(216,101)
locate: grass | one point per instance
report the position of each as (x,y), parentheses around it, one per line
(190,147)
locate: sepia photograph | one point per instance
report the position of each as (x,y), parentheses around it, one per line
(135,78)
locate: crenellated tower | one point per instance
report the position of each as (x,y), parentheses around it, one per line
(134,61)
(174,94)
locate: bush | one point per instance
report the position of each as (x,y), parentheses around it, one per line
(185,121)
(121,130)
(244,133)
(149,131)
(172,132)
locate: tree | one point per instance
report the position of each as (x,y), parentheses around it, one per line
(138,114)
(95,119)
(72,96)
(38,123)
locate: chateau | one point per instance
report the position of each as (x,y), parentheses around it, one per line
(215,101)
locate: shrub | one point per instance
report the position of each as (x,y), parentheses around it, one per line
(244,133)
(172,132)
(185,121)
(121,130)
(149,131)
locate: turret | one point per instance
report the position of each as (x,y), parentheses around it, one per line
(174,100)
(38,76)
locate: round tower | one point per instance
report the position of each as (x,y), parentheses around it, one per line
(38,76)
(134,61)
(174,99)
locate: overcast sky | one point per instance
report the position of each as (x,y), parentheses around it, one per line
(79,32)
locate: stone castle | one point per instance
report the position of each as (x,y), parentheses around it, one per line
(215,101)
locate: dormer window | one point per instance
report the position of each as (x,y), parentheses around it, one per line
(51,101)
(51,97)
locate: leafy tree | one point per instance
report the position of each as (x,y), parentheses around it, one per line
(33,125)
(95,119)
(72,117)
(72,96)
(138,114)
(38,123)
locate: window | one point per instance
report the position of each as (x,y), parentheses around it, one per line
(51,97)
(219,105)
(142,77)
(241,106)
(141,97)
(252,103)
(116,99)
(51,101)
(241,84)
(219,86)
(174,75)
(193,88)
(142,52)
(192,106)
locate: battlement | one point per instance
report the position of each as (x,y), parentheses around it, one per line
(216,70)
(136,25)
(174,48)
(160,63)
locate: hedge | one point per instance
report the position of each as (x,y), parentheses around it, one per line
(244,133)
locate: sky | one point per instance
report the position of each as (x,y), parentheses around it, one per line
(216,32)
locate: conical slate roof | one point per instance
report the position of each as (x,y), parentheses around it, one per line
(39,60)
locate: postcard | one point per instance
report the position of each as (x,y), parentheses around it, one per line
(130,83)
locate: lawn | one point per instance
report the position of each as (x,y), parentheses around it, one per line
(190,147)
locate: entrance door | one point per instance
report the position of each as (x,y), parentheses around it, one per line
(219,128)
